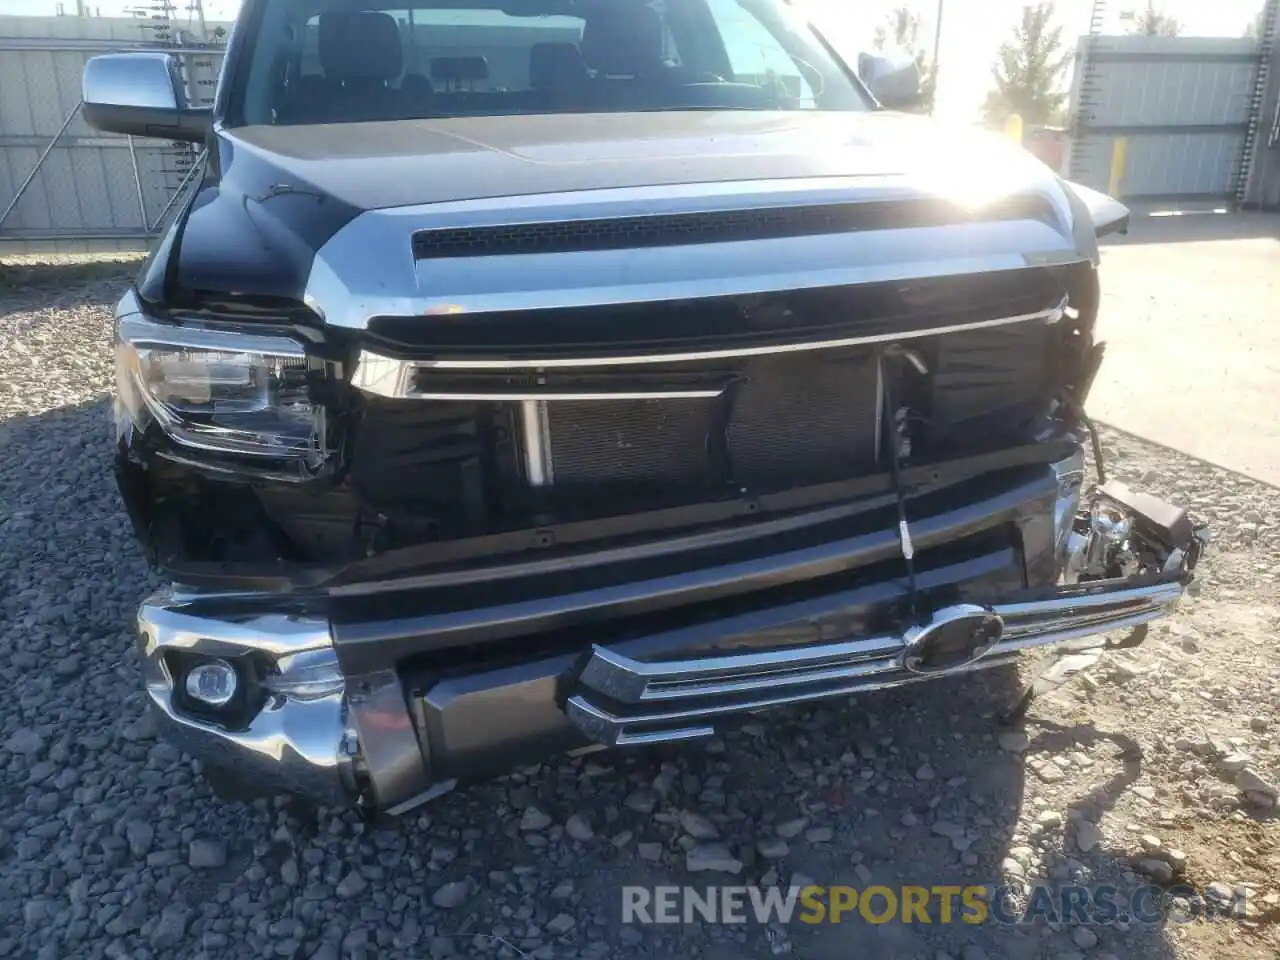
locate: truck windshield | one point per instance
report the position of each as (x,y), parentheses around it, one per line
(335,61)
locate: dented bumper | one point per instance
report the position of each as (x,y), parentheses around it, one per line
(385,713)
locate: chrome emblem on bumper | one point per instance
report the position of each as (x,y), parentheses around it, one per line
(953,637)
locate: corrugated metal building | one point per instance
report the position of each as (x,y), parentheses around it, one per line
(1182,106)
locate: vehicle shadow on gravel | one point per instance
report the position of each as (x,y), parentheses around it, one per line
(914,787)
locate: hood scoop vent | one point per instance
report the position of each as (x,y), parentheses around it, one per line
(723,226)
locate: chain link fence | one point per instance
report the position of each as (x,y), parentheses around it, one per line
(65,187)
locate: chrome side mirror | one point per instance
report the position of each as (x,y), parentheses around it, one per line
(893,78)
(141,94)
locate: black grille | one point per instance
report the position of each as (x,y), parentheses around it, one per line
(991,385)
(667,230)
(431,463)
(804,418)
(631,441)
(797,418)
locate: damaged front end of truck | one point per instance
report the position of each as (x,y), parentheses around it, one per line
(417,542)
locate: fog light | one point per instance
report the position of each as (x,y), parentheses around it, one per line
(213,683)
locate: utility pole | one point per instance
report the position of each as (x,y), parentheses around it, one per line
(197,8)
(937,42)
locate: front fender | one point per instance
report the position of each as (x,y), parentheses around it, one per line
(1108,214)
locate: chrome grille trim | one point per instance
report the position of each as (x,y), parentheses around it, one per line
(623,700)
(522,396)
(389,377)
(536,443)
(615,729)
(634,681)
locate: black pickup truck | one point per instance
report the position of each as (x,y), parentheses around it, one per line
(538,375)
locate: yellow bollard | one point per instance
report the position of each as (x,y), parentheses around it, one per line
(1013,128)
(1119,157)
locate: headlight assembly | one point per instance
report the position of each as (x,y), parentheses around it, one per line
(228,392)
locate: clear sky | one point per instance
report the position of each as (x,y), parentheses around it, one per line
(972,29)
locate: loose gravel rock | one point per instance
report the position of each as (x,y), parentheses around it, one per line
(535,819)
(451,895)
(773,848)
(579,828)
(791,828)
(711,856)
(206,854)
(1087,836)
(698,826)
(100,825)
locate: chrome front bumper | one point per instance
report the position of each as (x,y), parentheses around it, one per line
(296,740)
(309,743)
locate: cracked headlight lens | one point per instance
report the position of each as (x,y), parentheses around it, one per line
(220,390)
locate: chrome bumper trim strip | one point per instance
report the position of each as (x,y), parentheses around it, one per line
(1097,603)
(615,730)
(654,701)
(635,681)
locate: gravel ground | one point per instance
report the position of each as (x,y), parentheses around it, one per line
(111,844)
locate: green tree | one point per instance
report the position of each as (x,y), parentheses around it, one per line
(901,29)
(1029,70)
(1152,21)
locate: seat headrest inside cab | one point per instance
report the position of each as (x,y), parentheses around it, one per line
(360,45)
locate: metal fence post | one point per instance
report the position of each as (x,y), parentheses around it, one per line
(137,181)
(196,164)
